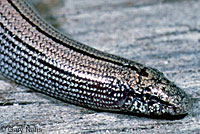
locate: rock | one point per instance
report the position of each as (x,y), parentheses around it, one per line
(161,34)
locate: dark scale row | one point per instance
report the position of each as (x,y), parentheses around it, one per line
(15,66)
(24,68)
(41,83)
(89,63)
(35,55)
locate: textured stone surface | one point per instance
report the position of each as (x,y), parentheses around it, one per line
(161,34)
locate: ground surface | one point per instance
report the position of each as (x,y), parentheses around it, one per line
(161,34)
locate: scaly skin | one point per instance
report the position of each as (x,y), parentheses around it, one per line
(34,54)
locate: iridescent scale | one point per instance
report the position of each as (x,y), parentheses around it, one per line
(34,54)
